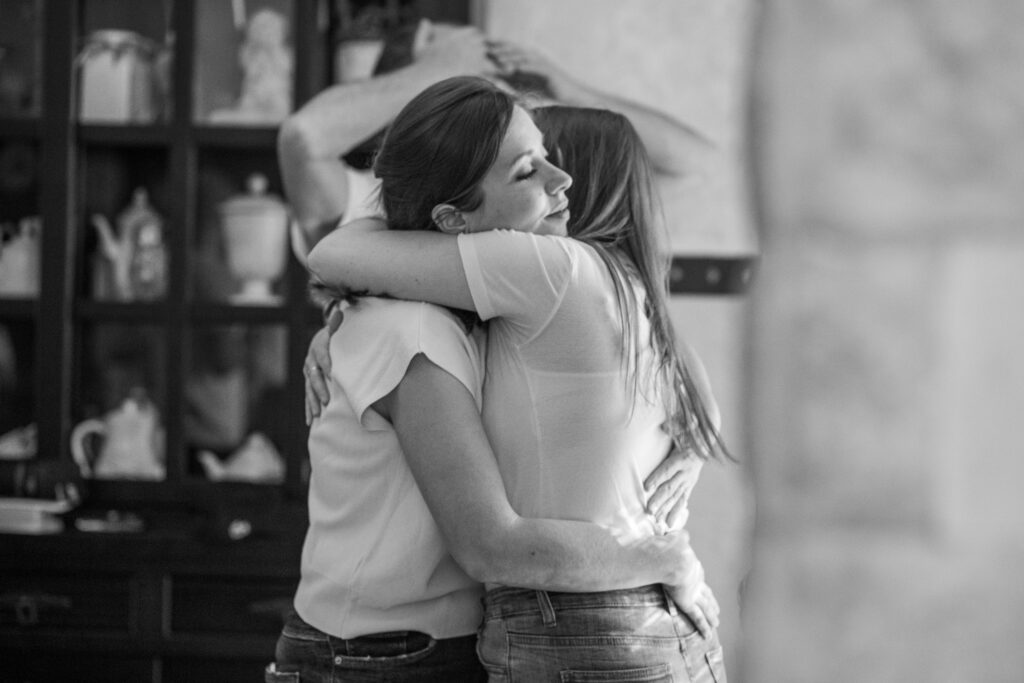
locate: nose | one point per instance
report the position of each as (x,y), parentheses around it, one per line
(558,180)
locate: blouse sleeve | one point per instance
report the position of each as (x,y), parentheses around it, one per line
(371,356)
(517,276)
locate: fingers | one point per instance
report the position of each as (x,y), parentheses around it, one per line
(707,602)
(665,470)
(696,615)
(679,510)
(315,392)
(508,57)
(312,405)
(703,625)
(320,347)
(665,493)
(674,506)
(334,321)
(319,385)
(714,612)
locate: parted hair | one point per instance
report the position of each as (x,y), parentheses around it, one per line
(439,148)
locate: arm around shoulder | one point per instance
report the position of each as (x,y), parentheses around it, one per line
(415,265)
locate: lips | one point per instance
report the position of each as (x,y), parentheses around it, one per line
(564,206)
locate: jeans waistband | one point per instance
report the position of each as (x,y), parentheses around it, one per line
(505,600)
(390,643)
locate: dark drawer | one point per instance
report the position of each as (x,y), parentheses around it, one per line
(45,666)
(211,670)
(66,602)
(229,605)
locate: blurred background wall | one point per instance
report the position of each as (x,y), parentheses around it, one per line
(886,379)
(872,381)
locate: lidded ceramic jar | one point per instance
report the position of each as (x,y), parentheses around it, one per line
(255,228)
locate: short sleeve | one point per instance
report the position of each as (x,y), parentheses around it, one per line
(517,276)
(362,195)
(371,351)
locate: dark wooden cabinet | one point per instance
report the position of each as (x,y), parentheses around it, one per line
(175,603)
(197,589)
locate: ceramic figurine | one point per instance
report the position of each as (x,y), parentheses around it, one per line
(255,461)
(266,61)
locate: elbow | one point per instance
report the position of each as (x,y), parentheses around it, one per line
(480,561)
(294,139)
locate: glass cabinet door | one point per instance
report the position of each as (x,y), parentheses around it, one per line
(20,57)
(244,62)
(124,62)
(235,403)
(20,235)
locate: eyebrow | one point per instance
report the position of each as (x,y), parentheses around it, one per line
(527,153)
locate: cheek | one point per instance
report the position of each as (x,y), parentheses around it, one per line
(519,207)
(523,204)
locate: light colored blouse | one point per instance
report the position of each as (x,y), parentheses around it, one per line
(570,442)
(374,559)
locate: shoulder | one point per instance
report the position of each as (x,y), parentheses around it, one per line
(511,247)
(378,323)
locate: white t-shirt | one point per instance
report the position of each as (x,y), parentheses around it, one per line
(374,559)
(363,195)
(569,442)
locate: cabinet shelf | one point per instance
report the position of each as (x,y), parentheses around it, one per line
(118,312)
(17,309)
(228,313)
(237,137)
(124,135)
(19,127)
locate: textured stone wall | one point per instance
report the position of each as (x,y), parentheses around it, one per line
(886,373)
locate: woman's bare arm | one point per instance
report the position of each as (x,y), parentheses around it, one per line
(405,264)
(441,434)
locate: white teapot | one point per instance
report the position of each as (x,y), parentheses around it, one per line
(132,445)
(134,250)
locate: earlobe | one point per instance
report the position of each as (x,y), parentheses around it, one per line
(448,219)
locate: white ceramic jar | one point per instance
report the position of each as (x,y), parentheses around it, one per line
(255,227)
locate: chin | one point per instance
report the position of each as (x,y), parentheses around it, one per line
(559,229)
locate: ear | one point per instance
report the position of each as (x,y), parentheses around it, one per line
(449,219)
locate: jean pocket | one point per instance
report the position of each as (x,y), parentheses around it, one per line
(365,660)
(272,675)
(660,673)
(716,665)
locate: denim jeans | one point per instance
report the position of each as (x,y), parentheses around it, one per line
(533,636)
(307,655)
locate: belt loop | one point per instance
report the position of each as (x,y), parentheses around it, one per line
(547,612)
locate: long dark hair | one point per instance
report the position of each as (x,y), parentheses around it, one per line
(613,208)
(437,151)
(439,148)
